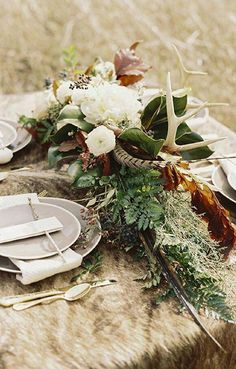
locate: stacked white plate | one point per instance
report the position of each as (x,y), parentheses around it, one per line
(71,215)
(220,181)
(13,136)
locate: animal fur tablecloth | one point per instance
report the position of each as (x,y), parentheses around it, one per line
(113,327)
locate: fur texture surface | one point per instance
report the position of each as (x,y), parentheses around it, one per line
(112,327)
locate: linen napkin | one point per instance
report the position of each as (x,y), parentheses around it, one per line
(11,200)
(228,166)
(36,270)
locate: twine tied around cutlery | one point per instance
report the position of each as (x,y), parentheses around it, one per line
(53,243)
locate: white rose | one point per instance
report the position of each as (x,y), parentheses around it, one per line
(43,103)
(64,92)
(5,155)
(101,140)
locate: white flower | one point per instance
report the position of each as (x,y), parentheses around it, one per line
(101,140)
(43,103)
(105,69)
(64,92)
(112,104)
(79,95)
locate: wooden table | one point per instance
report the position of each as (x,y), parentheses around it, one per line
(113,327)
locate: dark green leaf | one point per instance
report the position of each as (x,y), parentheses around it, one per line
(71,114)
(62,134)
(155,111)
(140,139)
(75,169)
(199,153)
(54,156)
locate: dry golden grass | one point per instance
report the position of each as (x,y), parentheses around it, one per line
(34,33)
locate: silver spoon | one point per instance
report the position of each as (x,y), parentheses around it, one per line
(7,301)
(72,294)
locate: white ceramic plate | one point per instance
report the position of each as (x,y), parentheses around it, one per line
(219,180)
(23,137)
(38,247)
(7,133)
(84,246)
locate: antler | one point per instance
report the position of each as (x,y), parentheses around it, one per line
(174,122)
(186,73)
(208,105)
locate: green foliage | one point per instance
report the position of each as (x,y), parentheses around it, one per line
(136,191)
(27,122)
(72,115)
(55,156)
(90,264)
(154,118)
(45,130)
(70,57)
(75,170)
(155,111)
(45,127)
(62,134)
(193,254)
(88,178)
(202,289)
(140,139)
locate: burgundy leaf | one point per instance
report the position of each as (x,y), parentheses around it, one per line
(80,138)
(68,145)
(105,160)
(129,65)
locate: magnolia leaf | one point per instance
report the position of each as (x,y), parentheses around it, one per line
(199,153)
(85,181)
(79,123)
(155,111)
(75,170)
(68,145)
(54,156)
(71,114)
(140,139)
(184,135)
(63,133)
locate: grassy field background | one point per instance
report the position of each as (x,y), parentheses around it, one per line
(33,34)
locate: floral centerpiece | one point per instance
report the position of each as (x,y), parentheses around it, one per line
(131,154)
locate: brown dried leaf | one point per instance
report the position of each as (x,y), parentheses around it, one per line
(105,159)
(129,65)
(206,204)
(80,138)
(55,86)
(68,145)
